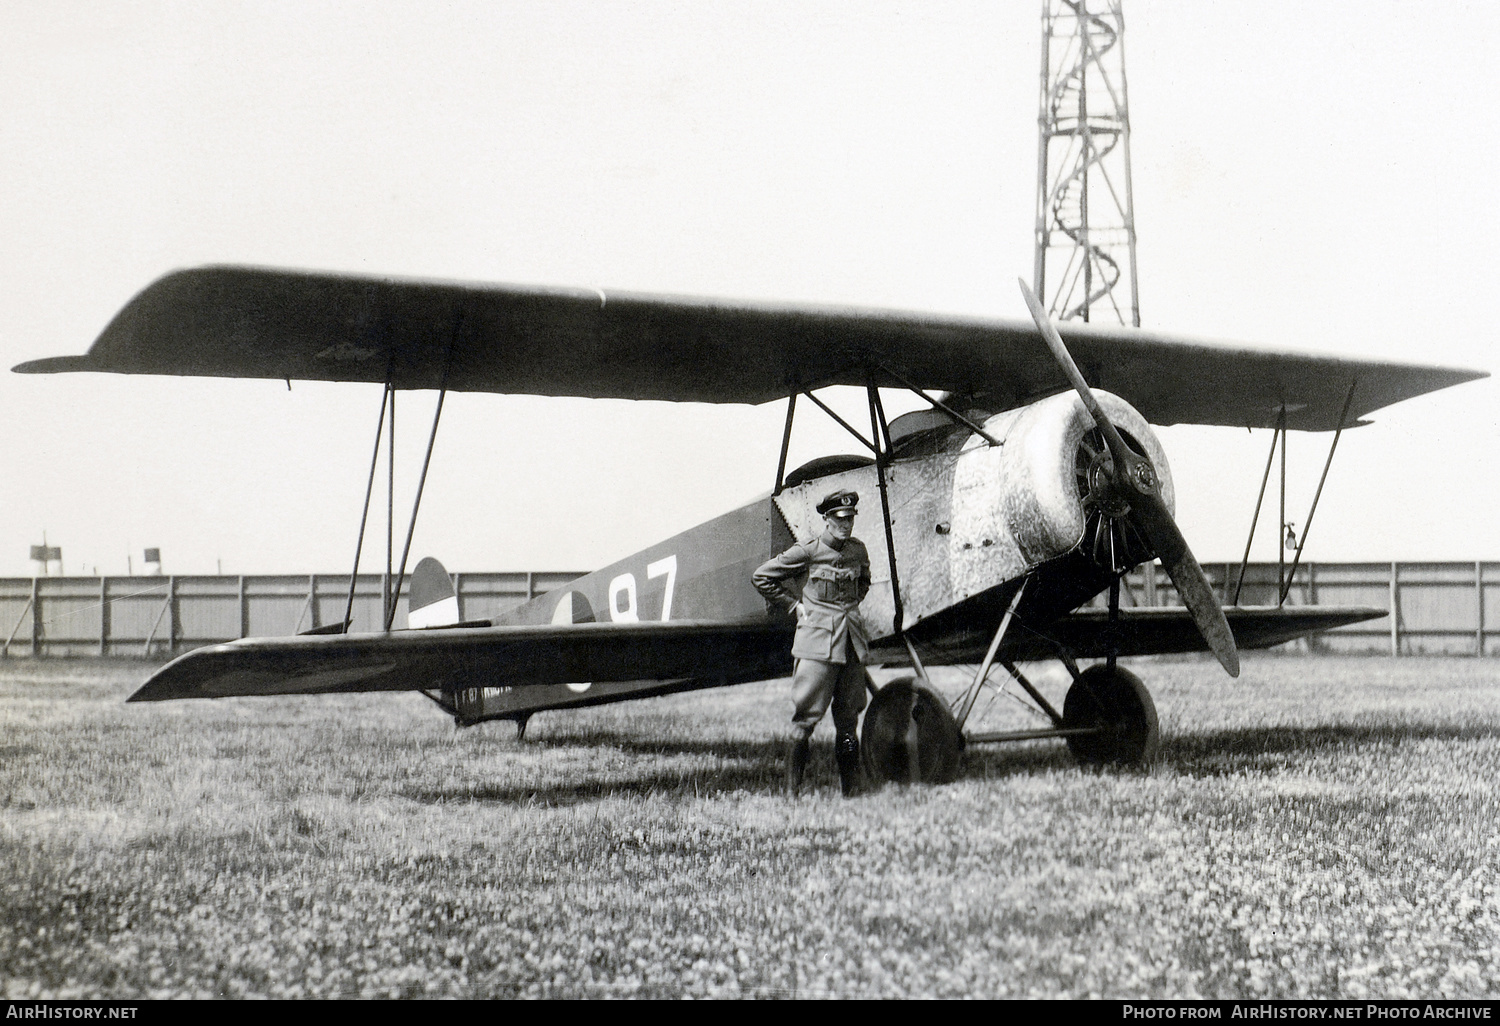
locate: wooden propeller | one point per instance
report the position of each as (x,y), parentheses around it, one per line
(1136,481)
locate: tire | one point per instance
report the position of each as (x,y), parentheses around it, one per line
(1117,701)
(892,712)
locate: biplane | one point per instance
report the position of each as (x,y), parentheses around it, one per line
(1030,483)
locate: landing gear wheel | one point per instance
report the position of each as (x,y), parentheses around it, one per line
(1117,701)
(903,715)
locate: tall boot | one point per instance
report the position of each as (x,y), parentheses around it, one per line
(846,750)
(796,763)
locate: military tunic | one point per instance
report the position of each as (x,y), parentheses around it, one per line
(837,581)
(831,643)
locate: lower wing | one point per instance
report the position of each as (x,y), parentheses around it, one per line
(691,653)
(1088,634)
(455,658)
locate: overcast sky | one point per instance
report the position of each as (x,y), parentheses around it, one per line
(1307,176)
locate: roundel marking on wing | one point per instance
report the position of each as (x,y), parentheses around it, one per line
(574,608)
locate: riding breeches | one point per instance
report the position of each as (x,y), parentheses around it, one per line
(816,685)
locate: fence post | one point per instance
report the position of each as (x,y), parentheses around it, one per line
(103,616)
(172,618)
(1478,608)
(1314,641)
(36,618)
(312,599)
(244,610)
(458,596)
(1395,614)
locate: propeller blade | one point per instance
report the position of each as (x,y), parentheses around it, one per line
(1137,470)
(1135,477)
(1060,353)
(1150,513)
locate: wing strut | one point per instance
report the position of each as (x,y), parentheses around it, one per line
(942,407)
(390,613)
(386,601)
(1265,479)
(786,443)
(364,516)
(872,446)
(882,434)
(1286,585)
(1282,530)
(390,597)
(1278,435)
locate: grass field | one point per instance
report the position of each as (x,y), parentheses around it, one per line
(1319,828)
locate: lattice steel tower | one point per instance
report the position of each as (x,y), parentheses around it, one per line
(1085,221)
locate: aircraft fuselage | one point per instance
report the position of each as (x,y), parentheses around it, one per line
(968,521)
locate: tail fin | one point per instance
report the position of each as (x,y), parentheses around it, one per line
(431,601)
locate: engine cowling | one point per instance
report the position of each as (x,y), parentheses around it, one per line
(1037,481)
(1028,500)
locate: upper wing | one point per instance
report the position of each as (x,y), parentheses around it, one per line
(260,323)
(716,653)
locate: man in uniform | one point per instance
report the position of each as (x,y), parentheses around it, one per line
(831,644)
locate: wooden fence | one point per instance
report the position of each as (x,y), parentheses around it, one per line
(1440,608)
(154,617)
